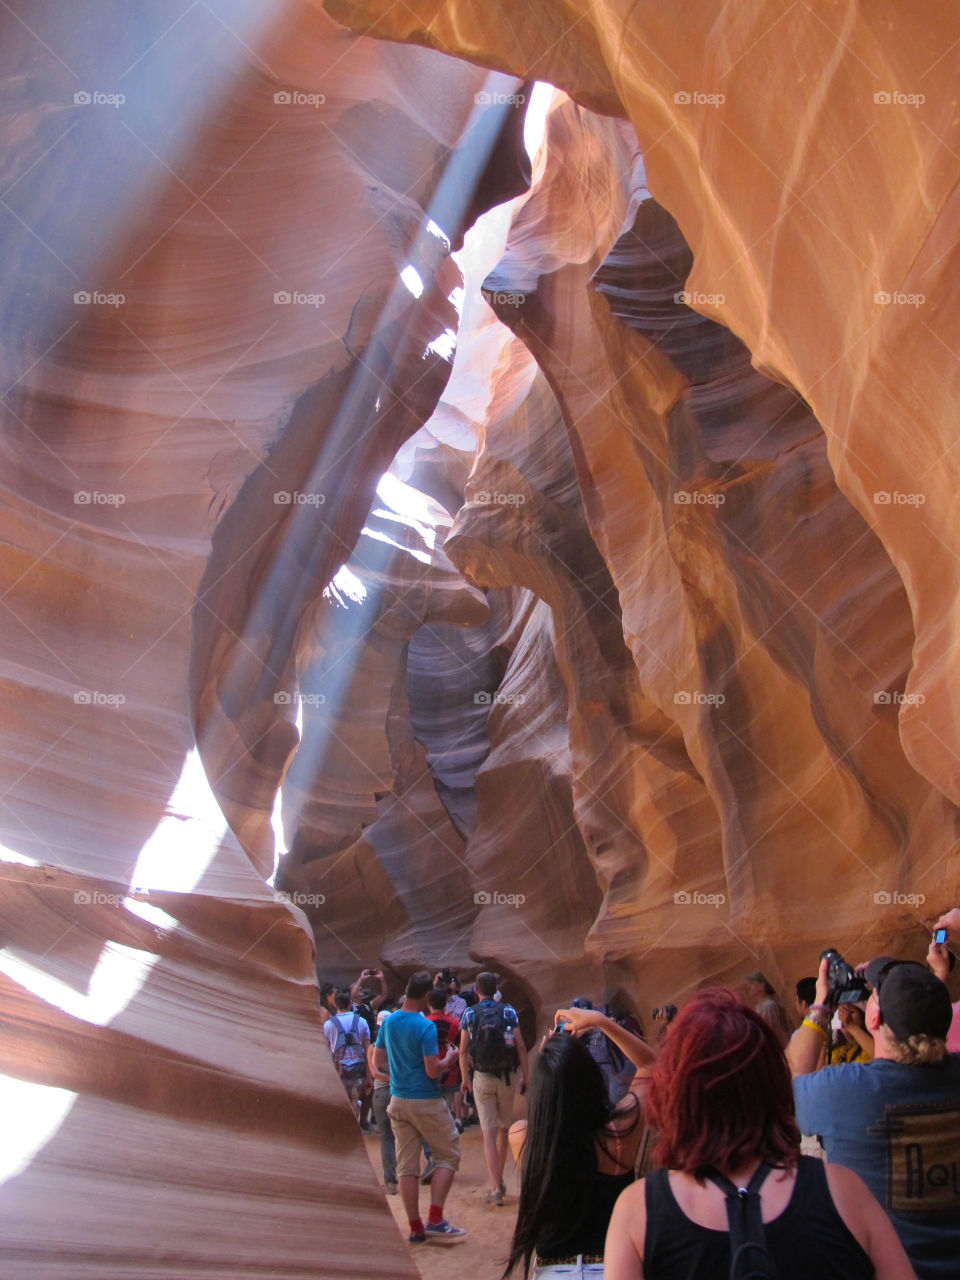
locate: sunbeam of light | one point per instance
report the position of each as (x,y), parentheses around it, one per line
(411,278)
(168,104)
(535,121)
(174,858)
(287,587)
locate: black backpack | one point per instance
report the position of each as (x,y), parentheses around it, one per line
(489,1051)
(750,1257)
(348,1054)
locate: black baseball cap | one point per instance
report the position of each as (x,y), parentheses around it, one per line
(913,1002)
(876,970)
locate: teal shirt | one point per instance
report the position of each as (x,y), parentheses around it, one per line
(408,1038)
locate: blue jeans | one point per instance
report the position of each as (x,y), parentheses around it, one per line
(388,1148)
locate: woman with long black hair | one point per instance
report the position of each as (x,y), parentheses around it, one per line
(576,1155)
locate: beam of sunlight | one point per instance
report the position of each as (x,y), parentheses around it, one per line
(32,1114)
(442,219)
(10,855)
(412,279)
(535,120)
(173,859)
(444,345)
(346,586)
(279,840)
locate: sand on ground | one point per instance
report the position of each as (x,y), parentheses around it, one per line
(482,1255)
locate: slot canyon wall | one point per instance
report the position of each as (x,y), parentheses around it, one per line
(580,604)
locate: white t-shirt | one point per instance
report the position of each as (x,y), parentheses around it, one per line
(345,1019)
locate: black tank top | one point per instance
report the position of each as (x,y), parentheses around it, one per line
(809,1238)
(590,1236)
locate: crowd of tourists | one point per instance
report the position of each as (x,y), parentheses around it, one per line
(730,1142)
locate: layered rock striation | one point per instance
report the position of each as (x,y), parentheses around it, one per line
(614,652)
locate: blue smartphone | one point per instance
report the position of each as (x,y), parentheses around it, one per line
(939,936)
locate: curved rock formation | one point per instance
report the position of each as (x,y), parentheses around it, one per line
(596,654)
(737,624)
(206,342)
(829,292)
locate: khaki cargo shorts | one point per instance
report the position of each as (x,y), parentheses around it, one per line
(429,1119)
(494,1099)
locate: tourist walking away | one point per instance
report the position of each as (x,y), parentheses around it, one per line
(407,1049)
(576,1154)
(448,1033)
(379,1104)
(733,1180)
(895,1120)
(492,1059)
(348,1037)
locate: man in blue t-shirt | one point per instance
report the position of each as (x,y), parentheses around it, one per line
(894,1121)
(407,1045)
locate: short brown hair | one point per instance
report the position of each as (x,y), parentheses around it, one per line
(721,1093)
(419,985)
(486,984)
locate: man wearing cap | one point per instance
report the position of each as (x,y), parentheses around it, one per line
(764,1000)
(894,1121)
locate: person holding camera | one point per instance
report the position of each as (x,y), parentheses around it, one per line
(896,1120)
(732,1194)
(854,1041)
(367,1000)
(456,1006)
(941,960)
(576,1153)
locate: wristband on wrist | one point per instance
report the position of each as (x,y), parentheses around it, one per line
(807,1022)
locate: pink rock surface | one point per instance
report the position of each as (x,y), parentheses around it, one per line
(622,679)
(806,240)
(176,1111)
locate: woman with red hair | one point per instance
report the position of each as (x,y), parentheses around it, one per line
(722,1102)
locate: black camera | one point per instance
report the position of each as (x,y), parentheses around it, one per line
(844,985)
(668,1011)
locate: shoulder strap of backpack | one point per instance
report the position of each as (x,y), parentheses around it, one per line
(745,1222)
